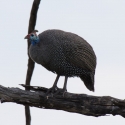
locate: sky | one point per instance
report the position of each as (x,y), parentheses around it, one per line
(100,22)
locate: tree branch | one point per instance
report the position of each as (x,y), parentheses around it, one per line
(31,64)
(77,103)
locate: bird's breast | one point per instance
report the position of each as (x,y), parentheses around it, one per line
(40,55)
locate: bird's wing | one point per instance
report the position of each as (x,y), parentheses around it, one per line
(78,52)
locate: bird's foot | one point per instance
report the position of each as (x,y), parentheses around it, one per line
(54,91)
(61,91)
(51,91)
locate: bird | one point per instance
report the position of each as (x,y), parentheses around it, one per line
(65,54)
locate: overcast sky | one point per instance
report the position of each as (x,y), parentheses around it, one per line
(100,22)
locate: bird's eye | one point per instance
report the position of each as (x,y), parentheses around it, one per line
(32,35)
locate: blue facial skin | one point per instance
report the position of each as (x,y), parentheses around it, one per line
(34,39)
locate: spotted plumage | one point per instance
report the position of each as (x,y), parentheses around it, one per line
(65,54)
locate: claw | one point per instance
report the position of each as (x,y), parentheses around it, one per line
(51,91)
(54,90)
(61,91)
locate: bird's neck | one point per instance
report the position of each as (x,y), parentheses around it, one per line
(35,41)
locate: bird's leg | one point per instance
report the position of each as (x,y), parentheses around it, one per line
(54,87)
(65,84)
(64,87)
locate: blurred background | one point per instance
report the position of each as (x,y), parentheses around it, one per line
(101,23)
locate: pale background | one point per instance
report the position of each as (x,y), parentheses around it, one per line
(100,22)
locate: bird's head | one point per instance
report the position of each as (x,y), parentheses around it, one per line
(33,37)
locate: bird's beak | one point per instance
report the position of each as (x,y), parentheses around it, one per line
(27,37)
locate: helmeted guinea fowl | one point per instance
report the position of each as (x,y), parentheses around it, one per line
(65,54)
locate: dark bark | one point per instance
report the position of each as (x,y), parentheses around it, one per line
(77,103)
(31,64)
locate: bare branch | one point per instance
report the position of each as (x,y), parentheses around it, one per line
(32,23)
(31,64)
(78,103)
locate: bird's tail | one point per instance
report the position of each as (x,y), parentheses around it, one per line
(88,80)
